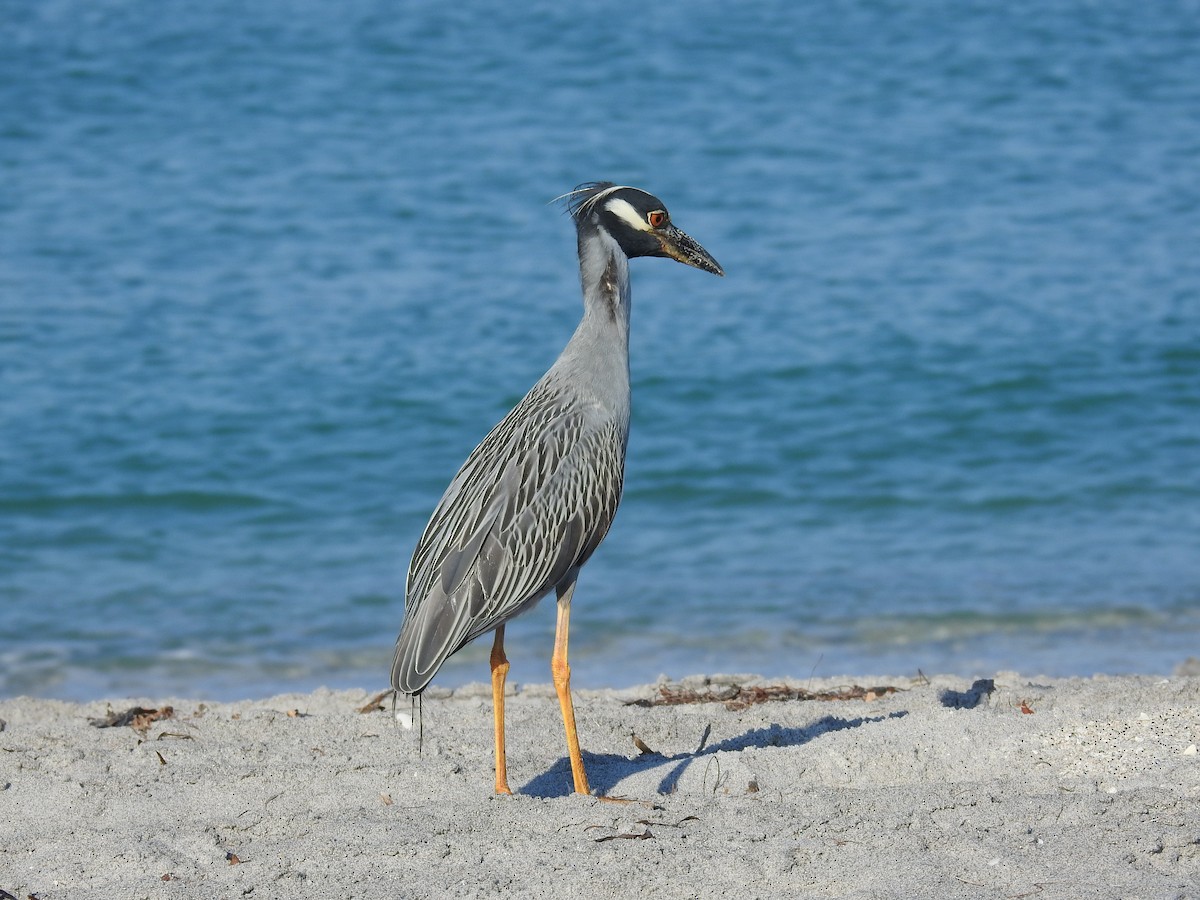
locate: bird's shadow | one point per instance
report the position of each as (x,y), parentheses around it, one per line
(607,770)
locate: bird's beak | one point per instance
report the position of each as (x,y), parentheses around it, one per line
(682,248)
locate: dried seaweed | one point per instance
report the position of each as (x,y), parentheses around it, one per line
(736,696)
(136,717)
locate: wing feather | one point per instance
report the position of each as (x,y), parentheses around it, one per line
(531,503)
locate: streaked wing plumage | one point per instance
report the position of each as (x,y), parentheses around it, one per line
(530,504)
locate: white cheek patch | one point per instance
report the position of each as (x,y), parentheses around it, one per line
(624,211)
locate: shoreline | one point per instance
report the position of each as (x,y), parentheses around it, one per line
(940,787)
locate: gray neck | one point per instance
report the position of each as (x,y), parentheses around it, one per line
(598,352)
(604,276)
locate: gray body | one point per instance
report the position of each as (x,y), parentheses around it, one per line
(537,496)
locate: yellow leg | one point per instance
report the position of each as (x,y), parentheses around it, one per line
(499,672)
(562,683)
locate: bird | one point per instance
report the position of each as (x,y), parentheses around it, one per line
(536,497)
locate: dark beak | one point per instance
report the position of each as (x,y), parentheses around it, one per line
(682,248)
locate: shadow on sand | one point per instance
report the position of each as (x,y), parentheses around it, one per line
(606,770)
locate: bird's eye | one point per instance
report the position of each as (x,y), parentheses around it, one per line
(657,218)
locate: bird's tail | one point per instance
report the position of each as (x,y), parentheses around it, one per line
(416,715)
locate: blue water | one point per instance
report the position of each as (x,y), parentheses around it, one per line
(268,272)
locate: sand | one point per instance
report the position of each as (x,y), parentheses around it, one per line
(1040,788)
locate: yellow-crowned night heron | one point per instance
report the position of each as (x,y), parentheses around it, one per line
(536,497)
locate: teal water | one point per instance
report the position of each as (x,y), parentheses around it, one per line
(268,272)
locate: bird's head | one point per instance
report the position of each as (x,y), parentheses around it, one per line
(638,222)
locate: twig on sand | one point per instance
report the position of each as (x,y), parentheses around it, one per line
(375,703)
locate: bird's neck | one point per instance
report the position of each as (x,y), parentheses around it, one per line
(598,353)
(604,276)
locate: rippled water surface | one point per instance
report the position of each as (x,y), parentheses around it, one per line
(268,272)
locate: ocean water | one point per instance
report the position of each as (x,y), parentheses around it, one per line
(268,272)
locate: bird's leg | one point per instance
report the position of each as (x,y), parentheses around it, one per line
(562,683)
(499,672)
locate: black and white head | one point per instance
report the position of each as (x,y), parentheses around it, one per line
(638,222)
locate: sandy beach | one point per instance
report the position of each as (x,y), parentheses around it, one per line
(1006,787)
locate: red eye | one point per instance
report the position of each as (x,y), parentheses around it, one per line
(657,219)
